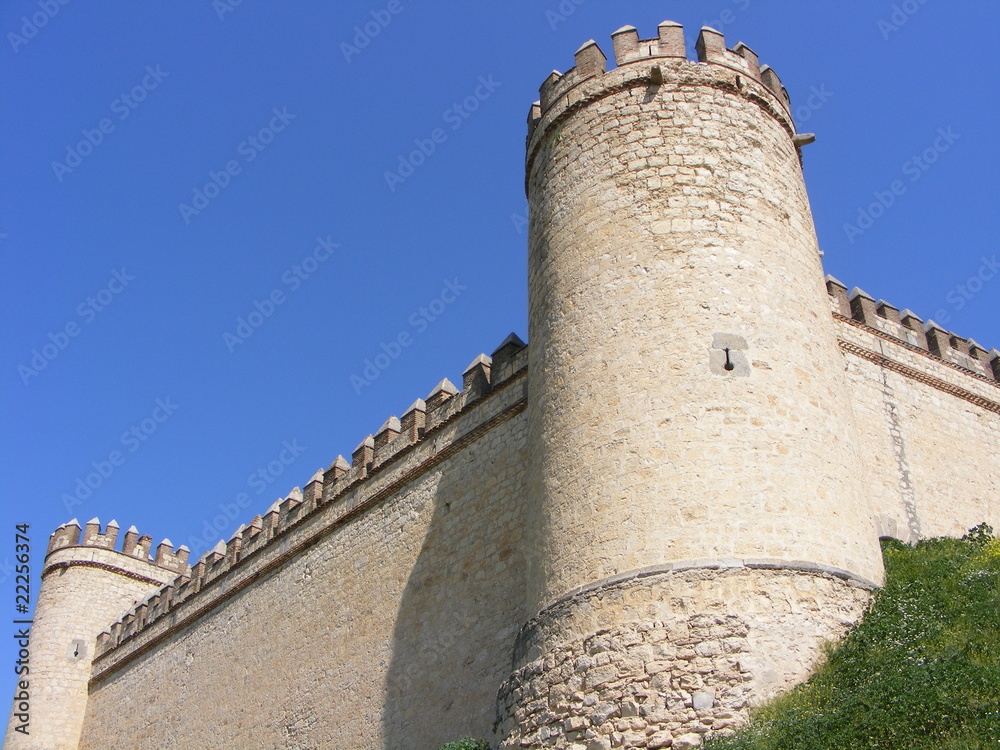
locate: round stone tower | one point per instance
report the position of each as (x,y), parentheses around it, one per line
(701,527)
(86,586)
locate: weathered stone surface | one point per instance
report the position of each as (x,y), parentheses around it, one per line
(703,700)
(668,692)
(687,741)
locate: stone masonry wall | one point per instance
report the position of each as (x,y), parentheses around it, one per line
(398,628)
(931,455)
(668,660)
(392,630)
(670,222)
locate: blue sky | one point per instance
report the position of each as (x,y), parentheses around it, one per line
(172,169)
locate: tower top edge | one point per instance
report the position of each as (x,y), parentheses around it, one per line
(662,56)
(164,555)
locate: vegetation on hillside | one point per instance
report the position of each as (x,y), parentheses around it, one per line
(921,669)
(467,744)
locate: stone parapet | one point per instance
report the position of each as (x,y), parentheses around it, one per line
(134,546)
(651,63)
(912,332)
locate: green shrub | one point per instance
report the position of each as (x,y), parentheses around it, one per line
(920,670)
(467,744)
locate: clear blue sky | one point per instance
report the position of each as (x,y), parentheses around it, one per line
(95,239)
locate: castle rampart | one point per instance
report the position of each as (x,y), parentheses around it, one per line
(927,403)
(429,433)
(623,534)
(857,338)
(369,548)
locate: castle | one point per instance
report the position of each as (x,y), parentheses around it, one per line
(620,535)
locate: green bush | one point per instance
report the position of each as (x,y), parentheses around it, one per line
(467,744)
(920,670)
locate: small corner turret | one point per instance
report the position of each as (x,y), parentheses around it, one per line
(133,545)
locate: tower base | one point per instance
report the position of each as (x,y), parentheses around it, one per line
(667,656)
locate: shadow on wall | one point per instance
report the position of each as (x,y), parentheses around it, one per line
(463,602)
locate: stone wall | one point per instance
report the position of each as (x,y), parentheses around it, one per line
(398,625)
(670,223)
(664,660)
(385,623)
(930,437)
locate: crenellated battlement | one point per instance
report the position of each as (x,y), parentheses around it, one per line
(906,326)
(133,545)
(326,488)
(653,62)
